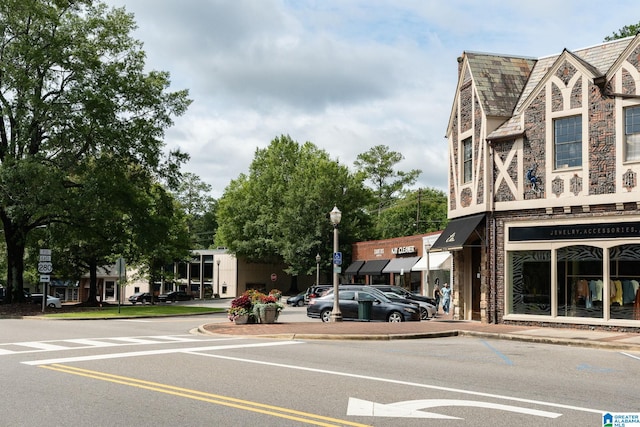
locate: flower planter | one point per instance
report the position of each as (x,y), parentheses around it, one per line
(268,315)
(243,319)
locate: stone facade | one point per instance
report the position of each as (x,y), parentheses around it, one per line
(520,179)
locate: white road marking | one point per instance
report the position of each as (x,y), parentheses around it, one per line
(156,352)
(631,355)
(411,408)
(407,383)
(75,344)
(93,343)
(42,345)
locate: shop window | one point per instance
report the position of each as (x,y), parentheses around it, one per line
(632,133)
(207,272)
(182,270)
(567,138)
(624,267)
(194,272)
(530,282)
(580,283)
(110,289)
(467,162)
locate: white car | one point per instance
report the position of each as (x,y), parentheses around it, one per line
(52,302)
(427,311)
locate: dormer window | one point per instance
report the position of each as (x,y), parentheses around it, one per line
(567,135)
(632,133)
(467,162)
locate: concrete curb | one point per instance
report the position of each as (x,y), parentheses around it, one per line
(441,334)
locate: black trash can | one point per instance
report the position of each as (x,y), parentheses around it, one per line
(364,309)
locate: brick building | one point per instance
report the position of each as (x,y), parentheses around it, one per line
(401,261)
(544,200)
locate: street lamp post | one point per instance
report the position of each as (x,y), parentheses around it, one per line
(335,216)
(317,269)
(218,285)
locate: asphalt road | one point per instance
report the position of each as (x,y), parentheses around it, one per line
(157,372)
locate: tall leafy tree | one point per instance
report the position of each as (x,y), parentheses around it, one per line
(418,212)
(72,86)
(378,166)
(193,195)
(278,212)
(626,31)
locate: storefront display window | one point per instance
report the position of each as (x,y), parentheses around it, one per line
(531,282)
(580,284)
(624,268)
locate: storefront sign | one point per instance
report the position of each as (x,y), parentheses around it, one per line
(610,230)
(403,250)
(378,252)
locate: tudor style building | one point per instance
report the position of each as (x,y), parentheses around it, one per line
(544,201)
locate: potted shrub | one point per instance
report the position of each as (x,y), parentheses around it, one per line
(266,309)
(241,310)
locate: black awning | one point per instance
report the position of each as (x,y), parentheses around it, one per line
(457,233)
(354,267)
(373,268)
(400,265)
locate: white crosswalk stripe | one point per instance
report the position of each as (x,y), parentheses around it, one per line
(82,343)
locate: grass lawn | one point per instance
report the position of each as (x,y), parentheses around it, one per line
(133,311)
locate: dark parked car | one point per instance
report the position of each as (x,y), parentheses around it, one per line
(27,295)
(296,300)
(175,296)
(140,297)
(382,308)
(405,293)
(315,292)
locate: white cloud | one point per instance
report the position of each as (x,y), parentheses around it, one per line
(343,74)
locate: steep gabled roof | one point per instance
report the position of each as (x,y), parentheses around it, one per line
(596,59)
(499,80)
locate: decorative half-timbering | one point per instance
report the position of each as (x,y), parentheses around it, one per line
(544,156)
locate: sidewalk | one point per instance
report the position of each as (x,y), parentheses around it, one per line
(442,326)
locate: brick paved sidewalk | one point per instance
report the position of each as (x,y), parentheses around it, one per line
(437,328)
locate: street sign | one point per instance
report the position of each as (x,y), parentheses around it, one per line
(121,267)
(337,258)
(45,267)
(45,278)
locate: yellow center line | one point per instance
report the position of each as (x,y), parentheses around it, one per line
(217,399)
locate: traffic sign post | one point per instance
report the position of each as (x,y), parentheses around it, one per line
(337,258)
(45,268)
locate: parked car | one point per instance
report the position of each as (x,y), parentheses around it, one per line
(52,302)
(382,308)
(141,297)
(296,300)
(427,311)
(3,291)
(405,293)
(315,292)
(175,296)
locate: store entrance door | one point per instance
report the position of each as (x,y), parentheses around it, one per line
(476,283)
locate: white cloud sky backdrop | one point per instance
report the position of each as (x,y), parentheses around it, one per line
(344,74)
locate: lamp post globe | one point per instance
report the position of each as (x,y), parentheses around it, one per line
(335,216)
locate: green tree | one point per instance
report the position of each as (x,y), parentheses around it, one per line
(626,31)
(278,212)
(418,212)
(199,206)
(378,166)
(72,87)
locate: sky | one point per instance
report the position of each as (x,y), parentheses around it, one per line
(346,75)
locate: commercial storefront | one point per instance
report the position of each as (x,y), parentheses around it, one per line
(401,261)
(577,271)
